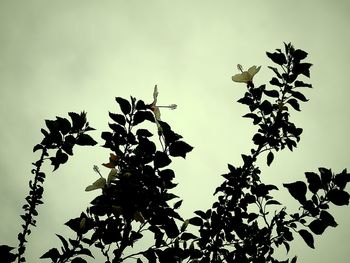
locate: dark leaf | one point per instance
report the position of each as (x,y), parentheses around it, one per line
(269,158)
(252,216)
(317,226)
(118,118)
(338,197)
(276,71)
(294,103)
(299,83)
(140,105)
(326,176)
(161,159)
(78,260)
(271,93)
(256,118)
(5,254)
(327,218)
(273,202)
(85,140)
(124,105)
(314,181)
(294,259)
(143,133)
(266,107)
(53,254)
(299,54)
(274,81)
(78,120)
(188,236)
(342,179)
(179,148)
(307,236)
(64,242)
(297,190)
(38,147)
(302,68)
(64,125)
(171,229)
(201,214)
(139,261)
(299,95)
(177,204)
(141,116)
(196,221)
(278,58)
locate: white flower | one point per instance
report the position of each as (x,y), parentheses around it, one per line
(246,76)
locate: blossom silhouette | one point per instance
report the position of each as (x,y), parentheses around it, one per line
(246,76)
(155,108)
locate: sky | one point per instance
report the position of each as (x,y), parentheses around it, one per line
(62,56)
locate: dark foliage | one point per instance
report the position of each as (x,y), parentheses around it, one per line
(245,224)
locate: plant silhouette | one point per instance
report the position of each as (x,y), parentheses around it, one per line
(245,223)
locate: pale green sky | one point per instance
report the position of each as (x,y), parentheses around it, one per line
(60,56)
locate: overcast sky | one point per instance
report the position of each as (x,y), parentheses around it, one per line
(61,56)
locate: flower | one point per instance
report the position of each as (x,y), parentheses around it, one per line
(246,76)
(155,108)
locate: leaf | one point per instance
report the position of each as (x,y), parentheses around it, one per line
(328,218)
(276,71)
(342,179)
(270,157)
(338,197)
(299,54)
(53,254)
(78,120)
(274,81)
(299,83)
(63,125)
(139,261)
(294,103)
(299,96)
(314,181)
(272,202)
(64,242)
(278,58)
(187,236)
(124,105)
(179,148)
(161,159)
(317,226)
(196,221)
(271,93)
(256,118)
(307,236)
(141,116)
(177,204)
(143,133)
(78,260)
(118,118)
(85,140)
(297,190)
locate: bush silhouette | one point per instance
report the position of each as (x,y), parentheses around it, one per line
(245,223)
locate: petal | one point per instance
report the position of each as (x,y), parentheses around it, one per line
(155,95)
(253,70)
(243,77)
(112,175)
(99,183)
(156,112)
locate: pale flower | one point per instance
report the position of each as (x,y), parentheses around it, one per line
(246,76)
(155,107)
